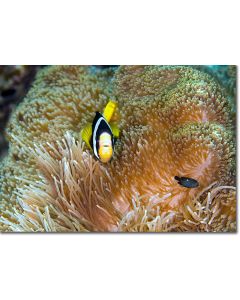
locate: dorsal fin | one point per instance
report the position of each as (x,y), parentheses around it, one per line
(109,110)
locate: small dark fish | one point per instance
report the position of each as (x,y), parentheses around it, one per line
(187,182)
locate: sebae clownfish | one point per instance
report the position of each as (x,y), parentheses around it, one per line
(101,134)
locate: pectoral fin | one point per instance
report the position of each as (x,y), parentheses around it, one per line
(115,130)
(86,134)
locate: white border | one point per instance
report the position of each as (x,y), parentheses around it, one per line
(100,266)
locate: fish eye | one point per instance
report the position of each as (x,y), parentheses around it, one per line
(8,93)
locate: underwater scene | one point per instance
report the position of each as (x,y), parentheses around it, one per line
(118,148)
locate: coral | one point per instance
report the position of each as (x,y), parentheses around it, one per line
(173,121)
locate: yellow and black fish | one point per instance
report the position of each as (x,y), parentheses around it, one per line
(100,136)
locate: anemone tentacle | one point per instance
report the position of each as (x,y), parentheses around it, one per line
(174,121)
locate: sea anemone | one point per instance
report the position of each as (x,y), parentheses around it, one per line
(174,121)
(74,193)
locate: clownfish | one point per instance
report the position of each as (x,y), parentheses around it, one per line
(187,182)
(101,134)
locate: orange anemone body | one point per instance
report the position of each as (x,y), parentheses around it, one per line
(183,128)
